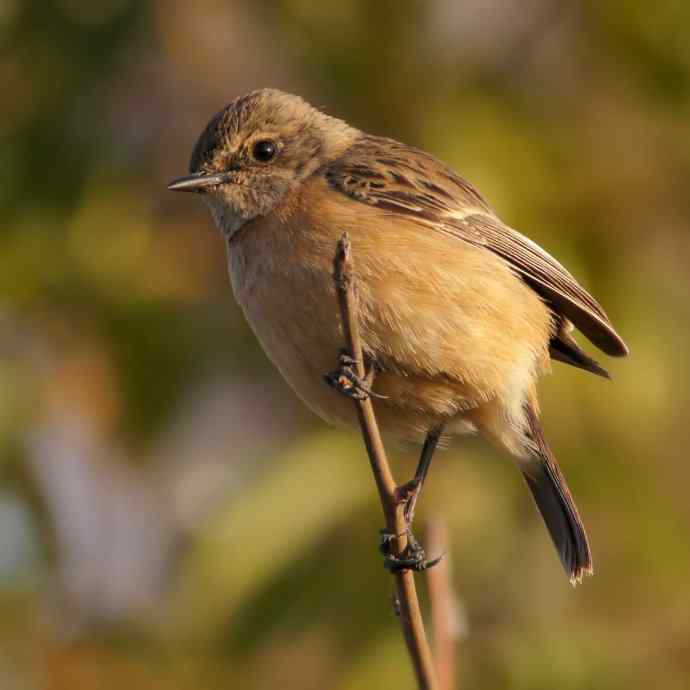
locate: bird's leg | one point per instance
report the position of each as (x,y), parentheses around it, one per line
(409,492)
(414,557)
(345,380)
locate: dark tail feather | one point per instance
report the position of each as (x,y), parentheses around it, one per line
(564,348)
(566,352)
(556,505)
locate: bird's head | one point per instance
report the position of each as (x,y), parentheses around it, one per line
(256,151)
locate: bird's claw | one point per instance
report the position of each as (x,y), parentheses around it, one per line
(346,381)
(412,558)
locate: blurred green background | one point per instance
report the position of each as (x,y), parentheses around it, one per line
(170,517)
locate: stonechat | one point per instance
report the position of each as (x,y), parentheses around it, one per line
(459,313)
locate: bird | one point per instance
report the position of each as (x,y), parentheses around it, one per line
(459,313)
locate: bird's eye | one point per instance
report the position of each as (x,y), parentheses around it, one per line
(264,150)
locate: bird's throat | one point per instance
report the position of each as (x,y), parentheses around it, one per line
(227,219)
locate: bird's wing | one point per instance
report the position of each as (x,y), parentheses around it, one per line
(402,180)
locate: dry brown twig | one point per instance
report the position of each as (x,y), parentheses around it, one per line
(445,618)
(393,509)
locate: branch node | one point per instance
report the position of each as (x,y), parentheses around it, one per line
(342,264)
(395,602)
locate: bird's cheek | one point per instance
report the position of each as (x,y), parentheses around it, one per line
(236,198)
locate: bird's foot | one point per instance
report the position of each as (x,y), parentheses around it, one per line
(412,558)
(346,381)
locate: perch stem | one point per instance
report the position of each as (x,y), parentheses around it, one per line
(409,610)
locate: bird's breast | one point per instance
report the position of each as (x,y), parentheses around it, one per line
(450,324)
(291,307)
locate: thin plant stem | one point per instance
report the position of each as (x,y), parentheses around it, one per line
(445,625)
(393,509)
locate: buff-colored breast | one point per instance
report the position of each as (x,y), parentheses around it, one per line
(460,337)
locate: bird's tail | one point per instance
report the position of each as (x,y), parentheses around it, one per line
(555,503)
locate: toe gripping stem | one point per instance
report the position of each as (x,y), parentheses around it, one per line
(412,558)
(346,381)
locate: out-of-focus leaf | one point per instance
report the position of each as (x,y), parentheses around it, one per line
(305,493)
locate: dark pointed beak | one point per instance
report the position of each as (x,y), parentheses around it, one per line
(197,182)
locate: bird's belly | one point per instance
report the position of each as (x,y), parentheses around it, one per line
(295,316)
(443,355)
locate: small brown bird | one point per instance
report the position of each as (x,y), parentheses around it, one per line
(459,313)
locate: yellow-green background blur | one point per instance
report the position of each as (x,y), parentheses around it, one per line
(170,516)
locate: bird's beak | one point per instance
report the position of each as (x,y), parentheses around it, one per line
(197,182)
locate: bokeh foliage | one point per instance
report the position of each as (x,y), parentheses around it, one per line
(170,516)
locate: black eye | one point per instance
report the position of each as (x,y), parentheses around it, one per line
(264,150)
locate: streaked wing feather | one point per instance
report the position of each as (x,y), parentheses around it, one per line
(400,179)
(547,277)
